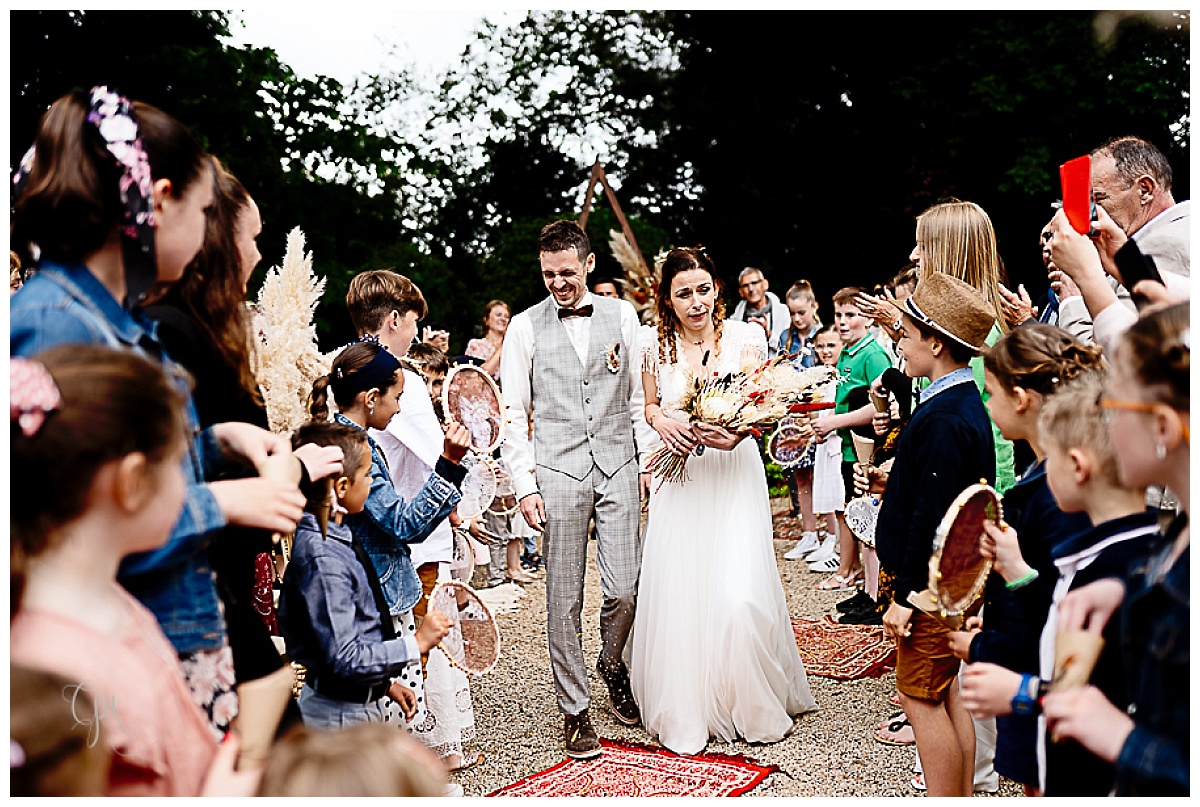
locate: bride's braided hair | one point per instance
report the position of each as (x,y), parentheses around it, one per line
(683,259)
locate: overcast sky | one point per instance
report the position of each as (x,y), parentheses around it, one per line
(343,40)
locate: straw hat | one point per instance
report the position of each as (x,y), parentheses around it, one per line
(953,308)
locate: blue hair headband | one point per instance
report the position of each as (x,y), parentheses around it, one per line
(371,375)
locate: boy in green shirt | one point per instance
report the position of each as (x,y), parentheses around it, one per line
(861,362)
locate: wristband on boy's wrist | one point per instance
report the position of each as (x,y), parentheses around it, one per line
(1022,582)
(1025,702)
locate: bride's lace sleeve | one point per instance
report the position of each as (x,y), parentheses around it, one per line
(648,349)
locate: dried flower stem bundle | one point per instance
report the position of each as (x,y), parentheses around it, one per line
(286,360)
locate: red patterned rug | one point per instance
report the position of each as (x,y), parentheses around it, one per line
(843,652)
(632,769)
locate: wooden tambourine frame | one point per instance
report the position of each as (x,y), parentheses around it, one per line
(473,643)
(787,430)
(954,590)
(481,471)
(458,377)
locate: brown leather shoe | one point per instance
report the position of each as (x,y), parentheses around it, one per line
(581,739)
(620,696)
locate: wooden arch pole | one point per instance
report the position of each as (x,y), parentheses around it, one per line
(598,174)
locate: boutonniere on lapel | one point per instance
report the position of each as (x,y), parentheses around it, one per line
(612,357)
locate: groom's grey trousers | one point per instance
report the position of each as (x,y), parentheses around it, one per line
(570,504)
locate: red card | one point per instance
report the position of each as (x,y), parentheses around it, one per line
(1076,177)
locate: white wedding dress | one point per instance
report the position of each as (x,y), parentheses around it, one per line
(712,653)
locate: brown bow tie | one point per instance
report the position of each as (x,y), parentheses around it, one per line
(582,311)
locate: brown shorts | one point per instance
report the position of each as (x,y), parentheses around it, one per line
(925,667)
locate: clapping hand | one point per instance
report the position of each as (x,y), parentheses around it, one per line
(1017,307)
(439,339)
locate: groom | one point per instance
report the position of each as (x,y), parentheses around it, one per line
(569,363)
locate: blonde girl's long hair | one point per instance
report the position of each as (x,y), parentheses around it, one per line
(957,238)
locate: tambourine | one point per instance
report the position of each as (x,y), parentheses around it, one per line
(478,487)
(473,643)
(471,398)
(787,444)
(957,569)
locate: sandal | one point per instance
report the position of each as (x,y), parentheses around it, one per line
(918,781)
(883,724)
(466,764)
(894,699)
(900,730)
(835,583)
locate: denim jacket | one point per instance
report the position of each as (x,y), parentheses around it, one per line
(800,347)
(66,303)
(389,524)
(1155,642)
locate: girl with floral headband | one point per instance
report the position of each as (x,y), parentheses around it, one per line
(100,436)
(113,198)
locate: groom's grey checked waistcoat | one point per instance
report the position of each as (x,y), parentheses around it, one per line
(581,411)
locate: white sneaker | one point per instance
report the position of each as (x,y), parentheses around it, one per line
(825,549)
(830,564)
(808,543)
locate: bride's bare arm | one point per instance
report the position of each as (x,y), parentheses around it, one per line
(676,436)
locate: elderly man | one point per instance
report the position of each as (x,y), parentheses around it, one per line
(761,307)
(1131,180)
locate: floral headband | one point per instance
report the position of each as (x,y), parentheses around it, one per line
(113,117)
(32,395)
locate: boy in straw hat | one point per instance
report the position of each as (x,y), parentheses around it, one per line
(946,447)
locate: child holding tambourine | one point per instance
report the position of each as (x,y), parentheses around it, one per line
(946,445)
(1022,370)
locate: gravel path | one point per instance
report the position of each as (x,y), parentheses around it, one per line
(831,752)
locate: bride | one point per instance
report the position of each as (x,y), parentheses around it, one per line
(712,650)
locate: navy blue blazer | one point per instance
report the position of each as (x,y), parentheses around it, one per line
(946,447)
